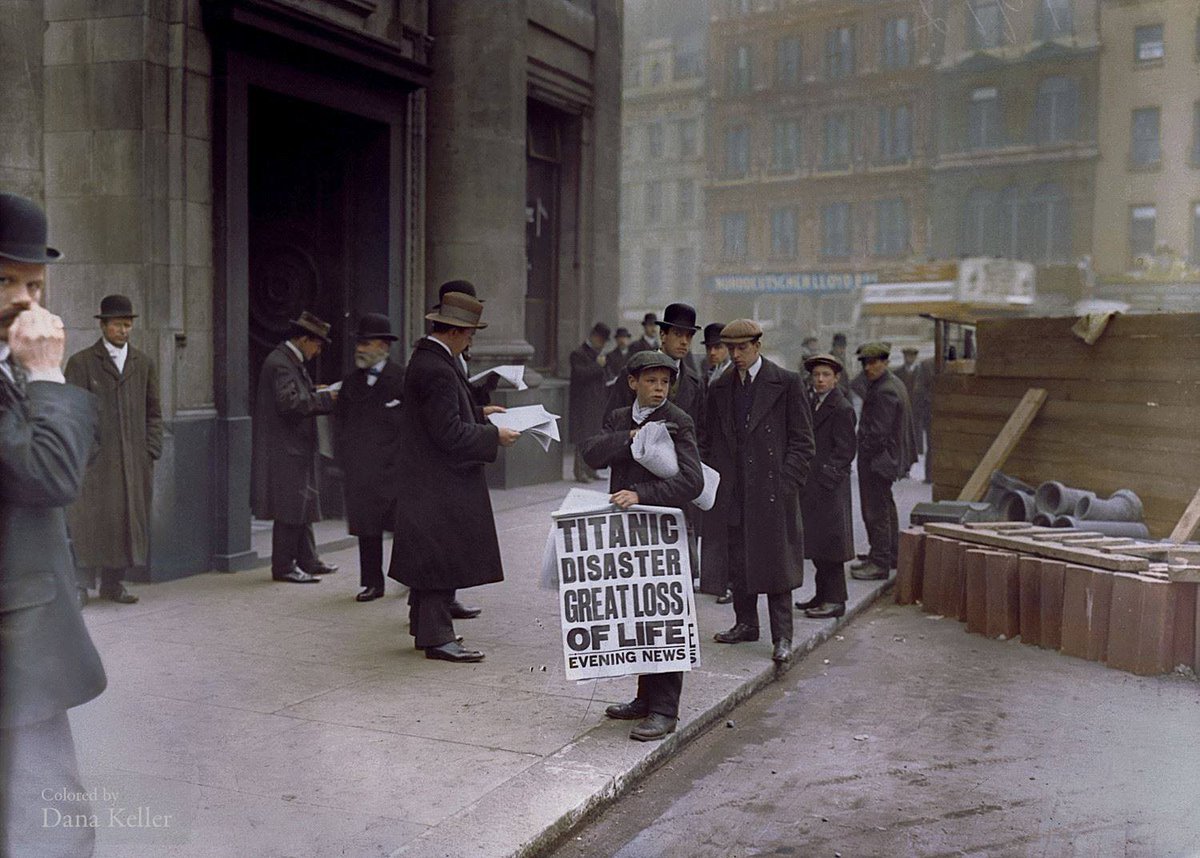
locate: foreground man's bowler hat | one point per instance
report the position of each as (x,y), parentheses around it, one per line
(310,325)
(682,316)
(712,333)
(823,359)
(647,359)
(375,326)
(116,307)
(458,310)
(23,231)
(741,331)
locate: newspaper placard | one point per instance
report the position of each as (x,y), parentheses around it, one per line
(625,592)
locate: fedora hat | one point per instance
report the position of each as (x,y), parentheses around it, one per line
(23,230)
(375,326)
(310,325)
(682,316)
(712,333)
(458,310)
(116,307)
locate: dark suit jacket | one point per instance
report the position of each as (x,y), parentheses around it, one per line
(47,660)
(887,441)
(445,530)
(366,443)
(283,471)
(825,505)
(588,394)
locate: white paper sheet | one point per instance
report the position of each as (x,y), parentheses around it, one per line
(514,374)
(534,419)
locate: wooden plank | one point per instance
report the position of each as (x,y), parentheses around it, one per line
(1004,444)
(1177,392)
(1186,527)
(1081,556)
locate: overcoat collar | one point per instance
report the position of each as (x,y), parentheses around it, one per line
(768,386)
(427,345)
(830,404)
(106,361)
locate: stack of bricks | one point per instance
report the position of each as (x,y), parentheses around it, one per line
(1132,622)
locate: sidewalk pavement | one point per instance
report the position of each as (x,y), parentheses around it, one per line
(254,718)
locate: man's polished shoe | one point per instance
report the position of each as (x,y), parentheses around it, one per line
(457,639)
(118,594)
(782,653)
(826,610)
(869,572)
(369,594)
(726,598)
(653,727)
(631,711)
(324,569)
(453,651)
(811,603)
(296,576)
(740,632)
(459,611)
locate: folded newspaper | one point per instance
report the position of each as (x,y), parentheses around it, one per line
(534,419)
(512,373)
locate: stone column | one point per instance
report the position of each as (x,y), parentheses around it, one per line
(475,212)
(605,274)
(20,108)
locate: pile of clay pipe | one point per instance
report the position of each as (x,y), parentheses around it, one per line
(1053,504)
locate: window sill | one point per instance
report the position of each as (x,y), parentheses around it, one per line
(1149,167)
(1142,65)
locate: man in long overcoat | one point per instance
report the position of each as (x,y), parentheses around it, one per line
(48,663)
(445,537)
(826,502)
(110,523)
(760,440)
(588,394)
(366,440)
(283,473)
(887,449)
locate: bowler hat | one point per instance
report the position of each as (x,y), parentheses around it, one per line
(310,325)
(839,339)
(741,331)
(23,230)
(375,326)
(116,307)
(466,287)
(458,310)
(712,333)
(874,351)
(682,316)
(649,319)
(622,332)
(648,359)
(601,329)
(824,359)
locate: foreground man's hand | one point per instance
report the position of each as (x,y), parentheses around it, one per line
(37,340)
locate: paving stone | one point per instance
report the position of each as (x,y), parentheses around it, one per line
(931,586)
(1003,595)
(975,574)
(1141,625)
(910,568)
(1050,590)
(1087,600)
(1184,645)
(1030,574)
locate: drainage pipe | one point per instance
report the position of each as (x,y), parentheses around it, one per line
(1124,505)
(1109,528)
(1054,498)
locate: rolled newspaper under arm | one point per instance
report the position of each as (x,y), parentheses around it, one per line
(654,450)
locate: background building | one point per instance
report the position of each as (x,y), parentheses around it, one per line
(227,163)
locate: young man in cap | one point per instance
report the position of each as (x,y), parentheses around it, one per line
(826,503)
(760,440)
(284,481)
(886,451)
(48,663)
(110,523)
(588,394)
(366,441)
(656,706)
(716,355)
(648,341)
(445,536)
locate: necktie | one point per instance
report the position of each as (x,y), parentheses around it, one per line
(816,400)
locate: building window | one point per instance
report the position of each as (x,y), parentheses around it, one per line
(1053,19)
(897,43)
(1141,230)
(788,68)
(733,236)
(836,152)
(977,233)
(835,229)
(685,200)
(739,69)
(783,233)
(737,151)
(1008,236)
(688,138)
(654,140)
(687,65)
(983,118)
(985,24)
(652,279)
(1146,151)
(839,53)
(656,73)
(653,202)
(785,146)
(1056,116)
(895,133)
(1049,224)
(685,269)
(891,227)
(1196,234)
(1148,43)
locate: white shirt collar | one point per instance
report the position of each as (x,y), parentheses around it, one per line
(299,354)
(4,350)
(754,368)
(449,351)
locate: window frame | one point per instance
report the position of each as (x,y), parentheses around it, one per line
(790,248)
(737,250)
(889,42)
(1140,161)
(844,249)
(1138,41)
(1152,208)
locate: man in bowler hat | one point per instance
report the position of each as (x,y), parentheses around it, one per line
(648,341)
(716,355)
(284,469)
(110,523)
(48,663)
(366,442)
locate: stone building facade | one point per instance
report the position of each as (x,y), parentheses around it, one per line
(227,163)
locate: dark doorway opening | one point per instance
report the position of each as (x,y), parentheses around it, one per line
(543,227)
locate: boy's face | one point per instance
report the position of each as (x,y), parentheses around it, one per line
(651,386)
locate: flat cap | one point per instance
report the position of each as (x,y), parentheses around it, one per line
(873,351)
(911,350)
(823,360)
(741,331)
(647,360)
